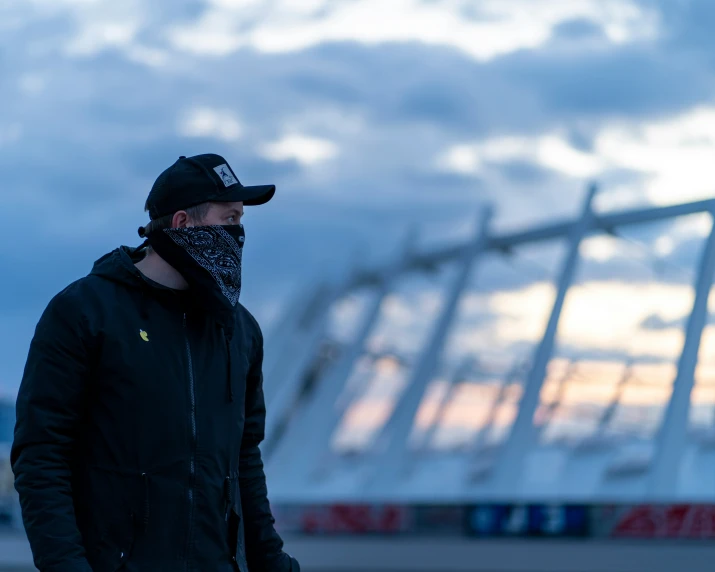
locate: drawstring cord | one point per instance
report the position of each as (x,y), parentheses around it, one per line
(228,495)
(229,374)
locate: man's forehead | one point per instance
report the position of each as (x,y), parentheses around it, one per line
(231,206)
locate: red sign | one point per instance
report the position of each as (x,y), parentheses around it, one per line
(666,521)
(344,518)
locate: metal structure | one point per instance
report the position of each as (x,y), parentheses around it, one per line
(310,387)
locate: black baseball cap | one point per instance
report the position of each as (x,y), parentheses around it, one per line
(200,179)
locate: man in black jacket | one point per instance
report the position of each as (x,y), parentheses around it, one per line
(141,406)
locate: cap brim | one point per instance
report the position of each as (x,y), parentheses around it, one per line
(250,196)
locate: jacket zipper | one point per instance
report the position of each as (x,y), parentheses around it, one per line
(192,465)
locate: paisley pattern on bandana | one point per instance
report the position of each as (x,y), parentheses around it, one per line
(217,252)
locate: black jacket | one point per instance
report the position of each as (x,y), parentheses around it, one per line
(138,425)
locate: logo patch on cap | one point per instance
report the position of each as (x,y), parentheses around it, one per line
(227,176)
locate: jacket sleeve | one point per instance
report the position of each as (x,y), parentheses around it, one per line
(264,546)
(49,406)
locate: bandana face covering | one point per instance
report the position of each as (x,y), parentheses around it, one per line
(209,259)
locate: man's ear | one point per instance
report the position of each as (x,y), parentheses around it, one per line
(180,220)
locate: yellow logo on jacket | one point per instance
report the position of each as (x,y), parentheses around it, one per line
(143,335)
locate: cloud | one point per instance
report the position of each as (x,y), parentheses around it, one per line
(579,83)
(211,123)
(32,84)
(304,149)
(672,152)
(601,248)
(667,153)
(599,316)
(549,151)
(102,35)
(494,28)
(656,322)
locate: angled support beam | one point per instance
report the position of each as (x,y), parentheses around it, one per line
(552,408)
(672,434)
(304,330)
(610,411)
(508,469)
(285,327)
(287,388)
(286,342)
(542,233)
(394,436)
(290,346)
(308,441)
(441,409)
(514,375)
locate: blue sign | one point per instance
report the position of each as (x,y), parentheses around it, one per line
(528,520)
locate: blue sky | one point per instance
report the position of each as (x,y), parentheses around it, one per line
(367,114)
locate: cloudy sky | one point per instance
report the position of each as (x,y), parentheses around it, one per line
(367,114)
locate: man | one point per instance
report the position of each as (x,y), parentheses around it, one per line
(141,406)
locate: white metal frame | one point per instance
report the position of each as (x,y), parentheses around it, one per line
(381,472)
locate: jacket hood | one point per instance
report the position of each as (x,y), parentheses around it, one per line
(118,266)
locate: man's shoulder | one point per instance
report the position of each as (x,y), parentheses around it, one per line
(69,309)
(79,292)
(249,319)
(79,301)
